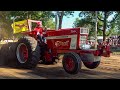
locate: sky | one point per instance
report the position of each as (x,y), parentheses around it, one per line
(68,22)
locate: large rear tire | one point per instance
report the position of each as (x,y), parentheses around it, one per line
(71,63)
(27,52)
(7,56)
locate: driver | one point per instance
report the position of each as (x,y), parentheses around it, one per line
(39,31)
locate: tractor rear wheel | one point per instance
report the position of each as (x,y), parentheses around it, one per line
(8,54)
(71,63)
(92,65)
(27,52)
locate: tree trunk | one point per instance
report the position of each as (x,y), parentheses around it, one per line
(60,19)
(28,15)
(104,27)
(96,30)
(56,21)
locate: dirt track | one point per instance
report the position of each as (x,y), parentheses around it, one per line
(108,69)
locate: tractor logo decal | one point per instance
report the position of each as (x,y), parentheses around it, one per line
(61,43)
(73,31)
(20,26)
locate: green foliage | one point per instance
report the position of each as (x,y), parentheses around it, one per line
(87,19)
(5,24)
(50,24)
(43,16)
(118,25)
(6,19)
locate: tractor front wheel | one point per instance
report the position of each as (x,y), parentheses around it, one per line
(71,63)
(92,65)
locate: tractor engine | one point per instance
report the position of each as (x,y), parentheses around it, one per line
(76,40)
(73,38)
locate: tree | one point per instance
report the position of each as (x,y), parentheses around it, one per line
(5,28)
(117,25)
(6,19)
(50,24)
(43,16)
(88,18)
(106,23)
(88,22)
(60,15)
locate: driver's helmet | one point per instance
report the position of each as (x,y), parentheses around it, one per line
(39,24)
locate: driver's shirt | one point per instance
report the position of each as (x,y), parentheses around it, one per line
(39,30)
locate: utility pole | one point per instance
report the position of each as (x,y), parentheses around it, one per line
(96,29)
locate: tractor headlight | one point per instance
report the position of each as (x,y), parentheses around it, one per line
(104,51)
(85,46)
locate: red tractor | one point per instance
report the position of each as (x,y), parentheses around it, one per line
(71,42)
